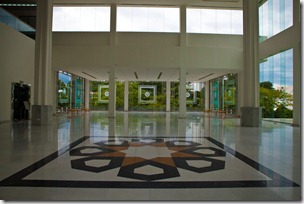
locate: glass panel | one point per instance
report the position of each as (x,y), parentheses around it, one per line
(215,94)
(274,17)
(224,94)
(64,90)
(81,19)
(223,21)
(147,96)
(147,19)
(195,96)
(276,85)
(79,92)
(99,95)
(214,21)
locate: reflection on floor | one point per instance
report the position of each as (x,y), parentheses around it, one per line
(149,156)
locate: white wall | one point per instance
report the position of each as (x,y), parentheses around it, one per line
(17,54)
(144,50)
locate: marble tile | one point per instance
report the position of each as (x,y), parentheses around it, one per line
(255,156)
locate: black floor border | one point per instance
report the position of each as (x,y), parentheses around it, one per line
(18,180)
(17,177)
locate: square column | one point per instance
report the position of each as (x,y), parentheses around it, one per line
(168,95)
(126,96)
(42,110)
(207,95)
(87,94)
(251,116)
(250,77)
(182,93)
(112,94)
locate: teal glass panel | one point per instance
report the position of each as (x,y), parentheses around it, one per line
(215,95)
(64,90)
(79,89)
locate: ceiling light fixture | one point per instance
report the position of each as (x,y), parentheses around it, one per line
(206,76)
(136,75)
(159,75)
(89,75)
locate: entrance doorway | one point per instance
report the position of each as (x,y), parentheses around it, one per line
(21,94)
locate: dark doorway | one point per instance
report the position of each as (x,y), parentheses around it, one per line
(21,94)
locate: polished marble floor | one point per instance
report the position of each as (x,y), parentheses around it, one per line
(149,156)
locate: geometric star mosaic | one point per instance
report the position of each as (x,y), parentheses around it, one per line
(158,162)
(135,154)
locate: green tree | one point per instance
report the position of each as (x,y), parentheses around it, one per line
(271,100)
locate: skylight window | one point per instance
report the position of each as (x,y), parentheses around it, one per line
(81,19)
(148,19)
(216,21)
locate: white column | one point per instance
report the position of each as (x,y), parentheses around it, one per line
(126,96)
(207,95)
(296,68)
(182,93)
(181,130)
(87,93)
(251,113)
(112,127)
(112,72)
(126,124)
(296,86)
(42,109)
(168,119)
(182,70)
(168,95)
(251,53)
(183,36)
(112,90)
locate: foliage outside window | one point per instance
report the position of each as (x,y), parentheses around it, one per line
(99,95)
(148,102)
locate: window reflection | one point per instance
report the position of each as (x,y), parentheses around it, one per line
(274,17)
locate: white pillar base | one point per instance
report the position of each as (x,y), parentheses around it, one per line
(42,114)
(251,116)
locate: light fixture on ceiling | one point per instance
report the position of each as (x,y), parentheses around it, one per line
(206,76)
(135,75)
(159,75)
(89,75)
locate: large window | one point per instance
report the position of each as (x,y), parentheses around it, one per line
(214,21)
(93,19)
(70,91)
(64,84)
(276,85)
(223,93)
(148,19)
(274,17)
